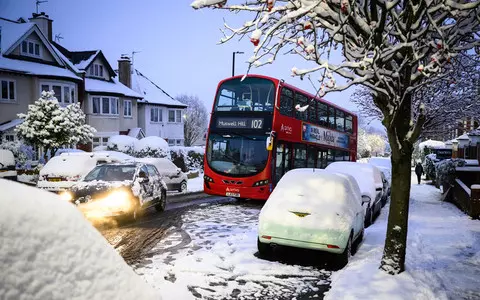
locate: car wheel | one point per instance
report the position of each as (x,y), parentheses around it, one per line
(183,187)
(347,253)
(264,249)
(162,202)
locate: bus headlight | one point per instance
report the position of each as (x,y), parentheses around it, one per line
(261,182)
(66,196)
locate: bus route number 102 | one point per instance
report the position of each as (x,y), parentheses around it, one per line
(257,124)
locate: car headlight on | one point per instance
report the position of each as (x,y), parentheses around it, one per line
(117,200)
(66,196)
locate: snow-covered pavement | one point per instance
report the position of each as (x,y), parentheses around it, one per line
(220,263)
(443,255)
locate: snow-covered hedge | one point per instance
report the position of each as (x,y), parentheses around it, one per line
(429,166)
(150,146)
(22,153)
(445,170)
(187,158)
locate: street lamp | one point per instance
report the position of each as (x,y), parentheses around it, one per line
(233,61)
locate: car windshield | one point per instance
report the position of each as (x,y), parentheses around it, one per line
(251,94)
(232,154)
(111,173)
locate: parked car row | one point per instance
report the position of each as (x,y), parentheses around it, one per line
(323,209)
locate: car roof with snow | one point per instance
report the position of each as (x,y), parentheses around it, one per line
(358,171)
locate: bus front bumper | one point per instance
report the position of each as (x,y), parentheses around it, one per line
(249,192)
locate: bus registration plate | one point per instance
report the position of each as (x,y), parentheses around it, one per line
(228,194)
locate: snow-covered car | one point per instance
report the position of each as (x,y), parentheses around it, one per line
(384,162)
(63,171)
(313,209)
(386,179)
(7,165)
(173,176)
(369,180)
(117,190)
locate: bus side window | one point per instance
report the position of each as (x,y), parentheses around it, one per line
(302,101)
(322,114)
(286,102)
(331,117)
(348,124)
(300,156)
(340,120)
(312,111)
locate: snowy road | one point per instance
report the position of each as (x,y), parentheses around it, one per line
(209,250)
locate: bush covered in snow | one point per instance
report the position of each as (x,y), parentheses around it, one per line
(445,171)
(429,166)
(188,158)
(22,153)
(152,146)
(122,143)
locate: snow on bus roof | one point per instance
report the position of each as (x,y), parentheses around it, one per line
(276,80)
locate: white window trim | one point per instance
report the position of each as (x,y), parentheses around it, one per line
(71,86)
(9,134)
(8,91)
(160,115)
(131,108)
(101,106)
(100,141)
(92,71)
(175,116)
(30,54)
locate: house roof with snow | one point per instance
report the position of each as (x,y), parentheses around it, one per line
(463,137)
(10,124)
(151,92)
(11,36)
(98,86)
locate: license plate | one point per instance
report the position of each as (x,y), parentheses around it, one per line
(232,194)
(54,179)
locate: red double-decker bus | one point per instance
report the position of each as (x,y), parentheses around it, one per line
(256,135)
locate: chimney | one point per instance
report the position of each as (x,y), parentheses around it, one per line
(44,23)
(124,71)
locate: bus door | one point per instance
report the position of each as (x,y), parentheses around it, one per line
(322,159)
(282,160)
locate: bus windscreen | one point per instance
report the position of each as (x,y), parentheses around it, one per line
(237,155)
(251,94)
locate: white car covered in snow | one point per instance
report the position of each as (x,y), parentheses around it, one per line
(173,176)
(369,179)
(313,209)
(63,171)
(7,165)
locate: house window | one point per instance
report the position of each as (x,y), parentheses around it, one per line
(171,142)
(155,114)
(30,48)
(9,138)
(179,142)
(100,141)
(105,105)
(8,90)
(65,93)
(96,70)
(175,116)
(127,108)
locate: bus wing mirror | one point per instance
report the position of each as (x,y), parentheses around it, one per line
(269,143)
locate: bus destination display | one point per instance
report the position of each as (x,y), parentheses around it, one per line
(246,123)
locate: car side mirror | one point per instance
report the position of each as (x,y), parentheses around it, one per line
(143,176)
(178,170)
(366,199)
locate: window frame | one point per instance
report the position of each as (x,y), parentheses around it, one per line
(303,116)
(96,70)
(34,44)
(71,88)
(177,116)
(100,141)
(101,105)
(159,115)
(127,108)
(9,93)
(282,107)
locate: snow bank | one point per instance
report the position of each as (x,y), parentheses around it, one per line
(432,144)
(443,255)
(49,251)
(152,146)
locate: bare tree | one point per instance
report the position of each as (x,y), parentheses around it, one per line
(446,100)
(391,47)
(196,118)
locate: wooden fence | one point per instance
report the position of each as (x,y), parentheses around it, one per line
(466,198)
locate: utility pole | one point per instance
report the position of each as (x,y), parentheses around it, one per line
(233,61)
